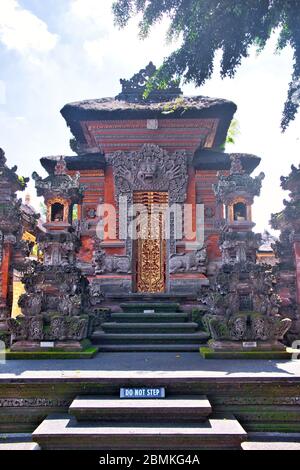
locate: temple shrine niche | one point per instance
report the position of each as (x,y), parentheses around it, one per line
(53,305)
(161,153)
(244,308)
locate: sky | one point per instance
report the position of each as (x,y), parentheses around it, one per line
(57,51)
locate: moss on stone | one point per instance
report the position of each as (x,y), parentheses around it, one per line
(87,353)
(197,317)
(5,337)
(273,427)
(208,353)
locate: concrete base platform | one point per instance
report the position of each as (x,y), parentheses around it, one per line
(59,432)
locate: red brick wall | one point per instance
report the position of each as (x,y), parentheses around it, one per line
(212,211)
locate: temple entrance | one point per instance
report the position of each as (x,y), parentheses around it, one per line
(149,245)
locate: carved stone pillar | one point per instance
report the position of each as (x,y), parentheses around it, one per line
(297,265)
(243,304)
(10,233)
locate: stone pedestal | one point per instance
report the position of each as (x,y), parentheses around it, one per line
(36,346)
(246,346)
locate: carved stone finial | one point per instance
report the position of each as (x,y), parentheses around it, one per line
(2,157)
(236,167)
(60,167)
(133,90)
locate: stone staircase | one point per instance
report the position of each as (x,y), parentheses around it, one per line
(149,326)
(108,422)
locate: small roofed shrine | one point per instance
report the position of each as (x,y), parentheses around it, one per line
(244,308)
(53,305)
(148,218)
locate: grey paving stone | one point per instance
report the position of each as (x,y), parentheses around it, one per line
(270,445)
(19,446)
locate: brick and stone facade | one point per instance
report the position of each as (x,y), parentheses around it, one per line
(14,222)
(112,133)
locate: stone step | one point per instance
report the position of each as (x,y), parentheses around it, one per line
(19,446)
(58,432)
(156,306)
(101,338)
(112,327)
(164,317)
(179,408)
(272,445)
(273,436)
(132,347)
(156,297)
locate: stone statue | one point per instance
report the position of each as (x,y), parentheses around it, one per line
(95,293)
(194,261)
(31,304)
(111,263)
(69,305)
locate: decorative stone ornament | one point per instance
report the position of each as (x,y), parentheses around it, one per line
(237,184)
(150,169)
(242,301)
(287,250)
(135,89)
(54,301)
(11,232)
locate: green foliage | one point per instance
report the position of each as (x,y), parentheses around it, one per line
(35,250)
(197,317)
(206,26)
(233,132)
(22,181)
(75,212)
(174,105)
(43,210)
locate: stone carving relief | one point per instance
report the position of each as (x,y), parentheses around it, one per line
(195,261)
(41,328)
(245,327)
(96,295)
(111,263)
(33,402)
(150,169)
(133,90)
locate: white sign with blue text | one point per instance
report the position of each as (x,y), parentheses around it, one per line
(142,392)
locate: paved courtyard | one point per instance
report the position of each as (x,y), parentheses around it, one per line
(166,364)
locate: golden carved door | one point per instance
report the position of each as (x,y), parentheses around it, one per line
(149,247)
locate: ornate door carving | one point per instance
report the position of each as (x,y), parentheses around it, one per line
(150,244)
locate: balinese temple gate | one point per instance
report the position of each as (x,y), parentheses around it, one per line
(148,166)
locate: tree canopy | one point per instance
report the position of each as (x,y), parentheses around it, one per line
(232,26)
